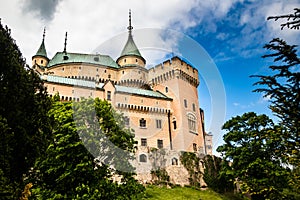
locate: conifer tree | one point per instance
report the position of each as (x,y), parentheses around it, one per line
(23,113)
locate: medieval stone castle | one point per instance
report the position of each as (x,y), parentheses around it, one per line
(161,104)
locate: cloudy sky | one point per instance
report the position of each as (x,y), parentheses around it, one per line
(231,32)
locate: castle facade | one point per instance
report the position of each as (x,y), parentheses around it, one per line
(161,104)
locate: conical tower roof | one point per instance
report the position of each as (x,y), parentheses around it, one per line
(42,50)
(130,48)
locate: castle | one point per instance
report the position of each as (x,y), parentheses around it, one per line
(160,103)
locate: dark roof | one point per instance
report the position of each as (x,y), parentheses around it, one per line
(42,50)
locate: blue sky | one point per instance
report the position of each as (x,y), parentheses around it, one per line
(232,32)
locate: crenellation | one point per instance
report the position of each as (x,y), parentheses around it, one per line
(160,104)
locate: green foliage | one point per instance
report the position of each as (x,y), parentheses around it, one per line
(23,114)
(282,87)
(192,163)
(215,175)
(69,170)
(253,143)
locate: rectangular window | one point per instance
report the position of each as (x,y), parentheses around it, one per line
(194,107)
(144,142)
(185,103)
(160,144)
(109,95)
(158,123)
(142,123)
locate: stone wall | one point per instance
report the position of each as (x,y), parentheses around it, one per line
(162,159)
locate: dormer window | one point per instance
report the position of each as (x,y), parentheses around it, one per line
(96,59)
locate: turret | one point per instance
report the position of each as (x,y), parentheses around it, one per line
(40,58)
(130,55)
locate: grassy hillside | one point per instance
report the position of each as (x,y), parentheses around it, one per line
(182,193)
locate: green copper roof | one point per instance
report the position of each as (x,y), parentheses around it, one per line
(42,50)
(69,81)
(142,92)
(130,49)
(92,84)
(96,59)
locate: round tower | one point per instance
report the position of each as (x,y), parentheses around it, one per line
(133,72)
(130,55)
(40,58)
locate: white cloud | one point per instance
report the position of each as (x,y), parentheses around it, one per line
(91,23)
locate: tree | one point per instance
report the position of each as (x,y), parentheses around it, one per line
(70,169)
(283,89)
(253,144)
(295,19)
(23,114)
(215,174)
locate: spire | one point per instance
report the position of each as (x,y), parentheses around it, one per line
(130,48)
(65,45)
(42,50)
(44,34)
(129,27)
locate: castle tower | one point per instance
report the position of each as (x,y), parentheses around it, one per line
(134,73)
(40,59)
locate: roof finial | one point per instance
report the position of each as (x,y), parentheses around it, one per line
(129,27)
(65,46)
(44,34)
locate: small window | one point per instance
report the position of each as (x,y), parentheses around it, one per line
(185,103)
(136,60)
(96,59)
(158,123)
(72,91)
(79,68)
(109,76)
(174,125)
(42,61)
(123,72)
(109,95)
(160,144)
(105,71)
(53,89)
(124,60)
(174,161)
(144,142)
(167,89)
(194,107)
(142,123)
(194,146)
(143,158)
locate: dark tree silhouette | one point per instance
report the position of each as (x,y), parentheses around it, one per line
(293,20)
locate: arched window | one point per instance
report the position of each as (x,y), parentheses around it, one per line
(174,161)
(192,123)
(143,158)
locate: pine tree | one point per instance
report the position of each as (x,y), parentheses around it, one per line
(23,113)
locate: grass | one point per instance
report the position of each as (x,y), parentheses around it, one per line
(184,193)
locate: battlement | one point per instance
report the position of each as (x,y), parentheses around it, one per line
(174,67)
